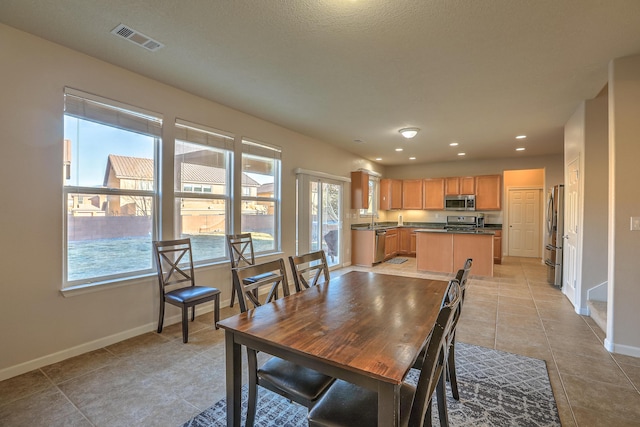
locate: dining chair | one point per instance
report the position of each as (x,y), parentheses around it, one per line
(461,276)
(345,404)
(294,382)
(241,253)
(316,268)
(174,264)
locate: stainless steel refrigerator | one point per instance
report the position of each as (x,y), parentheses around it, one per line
(555,230)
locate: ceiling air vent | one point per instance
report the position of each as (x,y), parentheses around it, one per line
(137,37)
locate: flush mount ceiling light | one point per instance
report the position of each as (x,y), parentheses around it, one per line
(409,132)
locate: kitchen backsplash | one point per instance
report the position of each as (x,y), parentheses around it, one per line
(490,217)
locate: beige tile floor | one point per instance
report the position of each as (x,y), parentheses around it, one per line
(155,380)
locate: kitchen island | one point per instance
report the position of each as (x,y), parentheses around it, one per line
(446,251)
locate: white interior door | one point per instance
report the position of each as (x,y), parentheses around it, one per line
(571,227)
(524,222)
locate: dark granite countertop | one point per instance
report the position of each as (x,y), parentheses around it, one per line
(425,226)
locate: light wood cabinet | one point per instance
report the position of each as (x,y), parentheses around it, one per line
(363,247)
(460,185)
(391,243)
(390,194)
(407,238)
(412,194)
(359,190)
(488,192)
(497,247)
(447,252)
(433,193)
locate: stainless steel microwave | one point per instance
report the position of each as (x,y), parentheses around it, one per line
(464,202)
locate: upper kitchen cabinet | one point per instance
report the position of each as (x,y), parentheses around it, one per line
(433,193)
(412,194)
(359,190)
(488,192)
(390,194)
(460,185)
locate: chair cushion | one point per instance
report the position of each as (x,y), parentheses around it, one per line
(346,404)
(297,380)
(254,279)
(190,294)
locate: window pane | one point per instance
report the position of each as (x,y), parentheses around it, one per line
(200,168)
(97,155)
(205,222)
(258,176)
(261,226)
(107,235)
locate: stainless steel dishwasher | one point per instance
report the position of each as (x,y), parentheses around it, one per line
(381,236)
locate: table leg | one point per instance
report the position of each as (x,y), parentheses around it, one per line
(388,404)
(234,380)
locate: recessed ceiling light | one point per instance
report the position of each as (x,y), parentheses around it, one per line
(378,158)
(520,149)
(398,149)
(409,132)
(412,158)
(454,144)
(462,154)
(521,136)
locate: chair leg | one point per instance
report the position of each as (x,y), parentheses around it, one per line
(193,313)
(451,368)
(185,324)
(441,393)
(161,317)
(216,311)
(252,402)
(233,295)
(427,419)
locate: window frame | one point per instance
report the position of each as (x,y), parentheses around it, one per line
(215,139)
(121,113)
(268,152)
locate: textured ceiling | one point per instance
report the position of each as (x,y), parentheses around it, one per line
(474,72)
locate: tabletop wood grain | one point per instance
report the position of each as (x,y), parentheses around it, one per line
(372,324)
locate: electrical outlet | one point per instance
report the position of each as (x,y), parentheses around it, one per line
(635,223)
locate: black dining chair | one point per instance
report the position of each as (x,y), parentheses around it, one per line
(347,405)
(241,254)
(316,268)
(296,383)
(462,277)
(174,264)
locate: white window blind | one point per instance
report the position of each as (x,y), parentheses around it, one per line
(200,134)
(261,149)
(104,111)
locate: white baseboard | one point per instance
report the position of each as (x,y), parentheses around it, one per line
(59,356)
(621,348)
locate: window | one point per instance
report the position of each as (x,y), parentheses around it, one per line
(261,195)
(372,210)
(109,188)
(202,188)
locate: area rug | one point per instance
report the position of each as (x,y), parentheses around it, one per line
(496,389)
(397,260)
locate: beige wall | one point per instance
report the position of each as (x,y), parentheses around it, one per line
(37,324)
(624,176)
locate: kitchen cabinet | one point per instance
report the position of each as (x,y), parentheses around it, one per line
(460,185)
(407,238)
(363,247)
(412,194)
(433,193)
(488,192)
(390,194)
(359,190)
(447,252)
(391,243)
(497,247)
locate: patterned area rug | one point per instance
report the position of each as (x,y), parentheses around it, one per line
(397,260)
(496,389)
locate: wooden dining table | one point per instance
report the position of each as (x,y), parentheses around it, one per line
(365,328)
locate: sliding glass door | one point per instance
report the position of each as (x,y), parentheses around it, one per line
(319,217)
